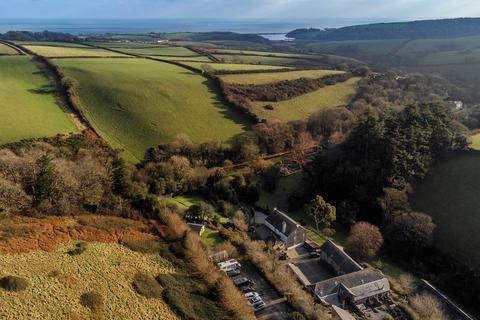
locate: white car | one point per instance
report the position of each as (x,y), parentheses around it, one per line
(251,295)
(254,300)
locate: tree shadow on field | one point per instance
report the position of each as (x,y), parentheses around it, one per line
(227,111)
(45,89)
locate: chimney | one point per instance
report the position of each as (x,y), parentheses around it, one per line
(284,227)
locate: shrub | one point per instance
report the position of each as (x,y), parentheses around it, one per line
(79,249)
(410,231)
(427,307)
(147,286)
(364,241)
(143,246)
(188,299)
(229,248)
(92,300)
(229,296)
(296,316)
(13,283)
(284,281)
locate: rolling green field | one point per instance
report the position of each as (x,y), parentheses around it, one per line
(263,78)
(303,106)
(234,66)
(52,52)
(131,45)
(450,57)
(135,103)
(161,51)
(6,50)
(450,195)
(370,47)
(28,107)
(192,59)
(279,61)
(270,54)
(50,43)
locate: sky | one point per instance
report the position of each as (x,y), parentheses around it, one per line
(239,9)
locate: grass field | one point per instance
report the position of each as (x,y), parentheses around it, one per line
(176,58)
(50,43)
(233,66)
(28,106)
(270,54)
(160,50)
(370,47)
(262,78)
(57,280)
(211,238)
(283,61)
(52,52)
(303,106)
(136,103)
(131,45)
(450,194)
(6,50)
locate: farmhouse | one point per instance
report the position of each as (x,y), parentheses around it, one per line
(360,287)
(337,259)
(285,230)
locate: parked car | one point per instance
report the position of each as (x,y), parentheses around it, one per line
(251,295)
(259,306)
(240,282)
(231,264)
(254,300)
(246,289)
(233,273)
(314,254)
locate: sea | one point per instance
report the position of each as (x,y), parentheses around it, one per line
(271,29)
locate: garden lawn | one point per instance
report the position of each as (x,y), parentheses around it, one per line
(136,104)
(28,105)
(269,77)
(303,106)
(211,238)
(450,194)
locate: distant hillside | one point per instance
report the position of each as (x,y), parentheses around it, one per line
(446,28)
(213,36)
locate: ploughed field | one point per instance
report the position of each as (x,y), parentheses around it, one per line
(135,104)
(28,104)
(450,194)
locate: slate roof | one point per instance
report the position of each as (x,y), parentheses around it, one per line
(342,314)
(341,259)
(360,284)
(196,227)
(276,218)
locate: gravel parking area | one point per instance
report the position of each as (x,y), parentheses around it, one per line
(277,307)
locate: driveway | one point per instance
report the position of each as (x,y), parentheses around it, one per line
(277,307)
